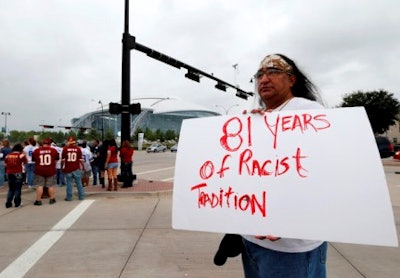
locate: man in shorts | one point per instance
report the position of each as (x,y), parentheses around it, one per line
(45,158)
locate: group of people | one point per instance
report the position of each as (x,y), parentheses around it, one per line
(280,85)
(45,165)
(107,158)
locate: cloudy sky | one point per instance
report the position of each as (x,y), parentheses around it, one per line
(58,58)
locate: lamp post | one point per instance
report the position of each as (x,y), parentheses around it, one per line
(235,71)
(5,121)
(227,110)
(102,121)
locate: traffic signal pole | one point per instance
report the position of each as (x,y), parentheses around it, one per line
(126,82)
(126,108)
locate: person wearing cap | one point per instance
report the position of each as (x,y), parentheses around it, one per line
(45,158)
(72,165)
(280,85)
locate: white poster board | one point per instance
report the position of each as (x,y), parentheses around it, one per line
(309,174)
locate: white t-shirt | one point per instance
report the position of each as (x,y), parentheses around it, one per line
(288,244)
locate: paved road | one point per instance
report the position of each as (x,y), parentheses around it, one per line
(130,235)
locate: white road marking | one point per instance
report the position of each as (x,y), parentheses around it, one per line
(168,179)
(157,170)
(23,263)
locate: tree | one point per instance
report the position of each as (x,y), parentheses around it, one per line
(381,107)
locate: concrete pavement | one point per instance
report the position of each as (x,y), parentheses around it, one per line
(128,233)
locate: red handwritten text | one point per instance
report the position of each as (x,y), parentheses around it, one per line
(301,122)
(230,199)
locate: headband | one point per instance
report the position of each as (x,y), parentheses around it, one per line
(276,62)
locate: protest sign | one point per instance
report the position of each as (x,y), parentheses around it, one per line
(309,174)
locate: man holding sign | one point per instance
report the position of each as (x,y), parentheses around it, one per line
(270,177)
(282,86)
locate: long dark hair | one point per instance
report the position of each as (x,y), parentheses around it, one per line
(303,87)
(17,148)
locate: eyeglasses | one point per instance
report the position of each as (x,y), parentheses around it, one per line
(270,72)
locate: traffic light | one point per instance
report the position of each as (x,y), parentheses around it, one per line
(47,126)
(115,108)
(221,86)
(135,108)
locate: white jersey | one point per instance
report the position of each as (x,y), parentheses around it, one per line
(59,150)
(28,151)
(87,159)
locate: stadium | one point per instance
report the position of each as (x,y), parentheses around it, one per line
(156,114)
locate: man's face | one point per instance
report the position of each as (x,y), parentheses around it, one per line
(273,83)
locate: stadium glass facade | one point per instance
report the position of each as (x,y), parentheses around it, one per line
(157,113)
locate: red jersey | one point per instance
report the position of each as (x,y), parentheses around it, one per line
(72,158)
(126,154)
(45,158)
(14,162)
(113,152)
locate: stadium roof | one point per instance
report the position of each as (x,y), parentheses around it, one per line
(165,105)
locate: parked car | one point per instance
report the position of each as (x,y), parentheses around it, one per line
(385,147)
(155,148)
(174,148)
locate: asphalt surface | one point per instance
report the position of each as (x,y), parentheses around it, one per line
(128,233)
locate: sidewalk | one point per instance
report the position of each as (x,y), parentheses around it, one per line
(130,229)
(140,186)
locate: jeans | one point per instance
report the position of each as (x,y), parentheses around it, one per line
(126,174)
(261,262)
(60,177)
(77,177)
(2,173)
(95,172)
(30,173)
(14,190)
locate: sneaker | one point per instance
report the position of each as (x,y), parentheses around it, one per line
(68,200)
(8,205)
(37,203)
(52,201)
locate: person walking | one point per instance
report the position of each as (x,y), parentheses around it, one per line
(112,165)
(72,165)
(45,158)
(126,154)
(14,163)
(280,85)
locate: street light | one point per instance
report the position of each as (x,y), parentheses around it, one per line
(5,121)
(102,121)
(227,110)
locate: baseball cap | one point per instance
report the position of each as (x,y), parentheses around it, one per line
(47,141)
